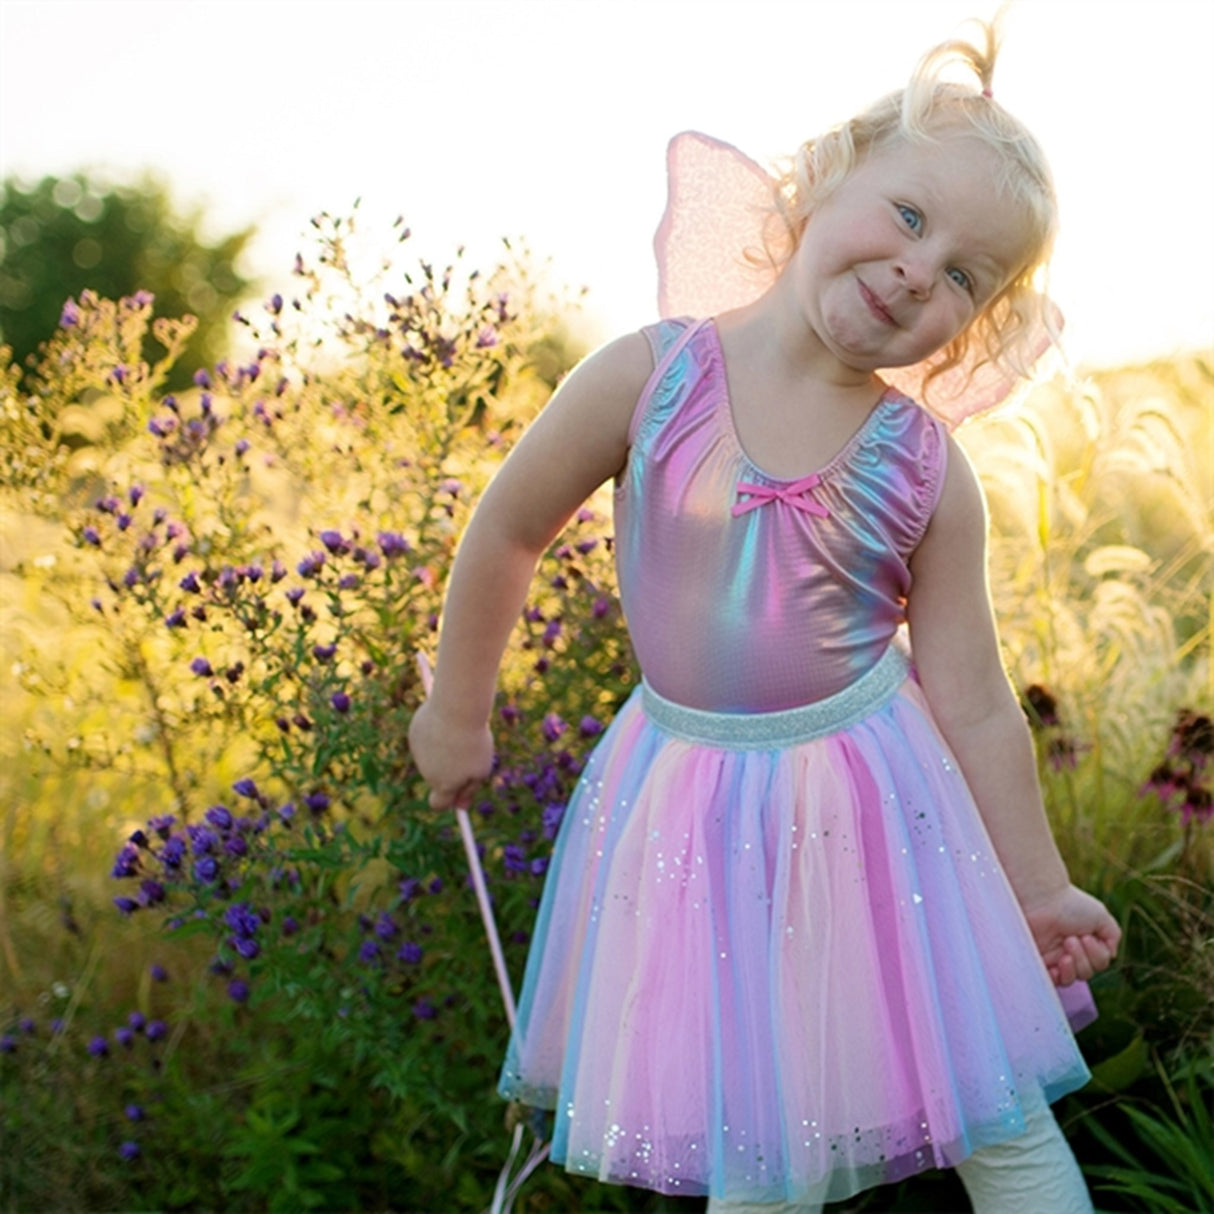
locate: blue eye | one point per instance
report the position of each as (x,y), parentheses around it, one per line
(910,217)
(962,279)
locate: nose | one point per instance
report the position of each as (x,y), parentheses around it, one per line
(915,273)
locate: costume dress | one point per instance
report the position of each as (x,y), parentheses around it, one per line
(776,958)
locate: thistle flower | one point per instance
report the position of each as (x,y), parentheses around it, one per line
(340,702)
(137,1021)
(129,1150)
(134,1112)
(238,990)
(202,668)
(246,788)
(156,1030)
(99,1047)
(410,953)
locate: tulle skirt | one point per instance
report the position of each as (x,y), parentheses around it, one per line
(776,958)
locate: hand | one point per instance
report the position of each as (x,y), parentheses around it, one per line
(452,757)
(1075,933)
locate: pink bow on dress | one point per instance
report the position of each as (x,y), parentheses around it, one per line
(795,494)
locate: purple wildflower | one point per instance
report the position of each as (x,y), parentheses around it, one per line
(151,893)
(220,817)
(334,542)
(589,727)
(70,315)
(410,953)
(317,802)
(247,948)
(201,667)
(90,536)
(99,1047)
(423,1009)
(340,702)
(207,869)
(134,1112)
(158,973)
(238,990)
(156,1030)
(392,544)
(124,1036)
(553,727)
(127,862)
(129,1150)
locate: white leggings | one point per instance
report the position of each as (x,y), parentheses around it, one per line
(1035,1172)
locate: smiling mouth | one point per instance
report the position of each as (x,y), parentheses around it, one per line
(875,306)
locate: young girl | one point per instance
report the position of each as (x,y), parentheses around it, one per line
(805,917)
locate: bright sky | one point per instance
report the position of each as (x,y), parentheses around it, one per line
(549,118)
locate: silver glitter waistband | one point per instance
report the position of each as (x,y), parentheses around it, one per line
(772,730)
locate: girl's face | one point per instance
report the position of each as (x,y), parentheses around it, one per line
(907,251)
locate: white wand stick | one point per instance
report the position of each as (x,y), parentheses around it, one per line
(478,876)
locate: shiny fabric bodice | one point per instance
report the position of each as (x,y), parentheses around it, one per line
(745,592)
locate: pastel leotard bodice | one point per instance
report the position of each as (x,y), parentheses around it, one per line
(746,592)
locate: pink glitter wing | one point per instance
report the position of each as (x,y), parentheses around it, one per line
(715,208)
(718,200)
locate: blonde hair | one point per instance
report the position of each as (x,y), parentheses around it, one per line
(929,106)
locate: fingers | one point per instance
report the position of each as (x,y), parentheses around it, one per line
(446,798)
(1080,959)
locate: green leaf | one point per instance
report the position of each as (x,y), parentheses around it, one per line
(1123,1069)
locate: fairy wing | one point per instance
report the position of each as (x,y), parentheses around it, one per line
(717,201)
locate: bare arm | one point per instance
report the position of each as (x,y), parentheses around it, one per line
(957,655)
(579,441)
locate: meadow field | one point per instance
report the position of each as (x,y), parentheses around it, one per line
(240,966)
